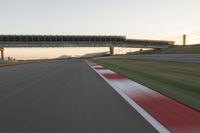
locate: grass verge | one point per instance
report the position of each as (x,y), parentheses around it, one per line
(176,49)
(13,63)
(178,80)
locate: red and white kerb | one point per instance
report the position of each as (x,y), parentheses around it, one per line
(163,113)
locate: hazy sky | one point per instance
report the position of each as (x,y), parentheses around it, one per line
(134,18)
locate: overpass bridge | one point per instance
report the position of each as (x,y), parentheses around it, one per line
(17,41)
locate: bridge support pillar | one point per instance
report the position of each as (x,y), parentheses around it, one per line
(111,50)
(184,39)
(2,53)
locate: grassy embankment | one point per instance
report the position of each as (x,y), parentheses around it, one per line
(178,80)
(178,49)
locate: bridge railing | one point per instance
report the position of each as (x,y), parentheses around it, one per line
(29,38)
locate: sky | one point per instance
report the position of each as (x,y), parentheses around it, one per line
(149,19)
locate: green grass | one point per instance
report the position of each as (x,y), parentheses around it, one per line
(178,80)
(7,62)
(10,63)
(178,49)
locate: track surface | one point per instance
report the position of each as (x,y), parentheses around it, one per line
(63,97)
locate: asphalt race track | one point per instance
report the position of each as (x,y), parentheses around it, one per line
(63,97)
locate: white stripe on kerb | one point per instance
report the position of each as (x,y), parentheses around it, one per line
(105,71)
(97,66)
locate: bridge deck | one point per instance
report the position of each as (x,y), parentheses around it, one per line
(77,41)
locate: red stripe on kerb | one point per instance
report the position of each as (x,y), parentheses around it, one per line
(177,117)
(100,68)
(113,76)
